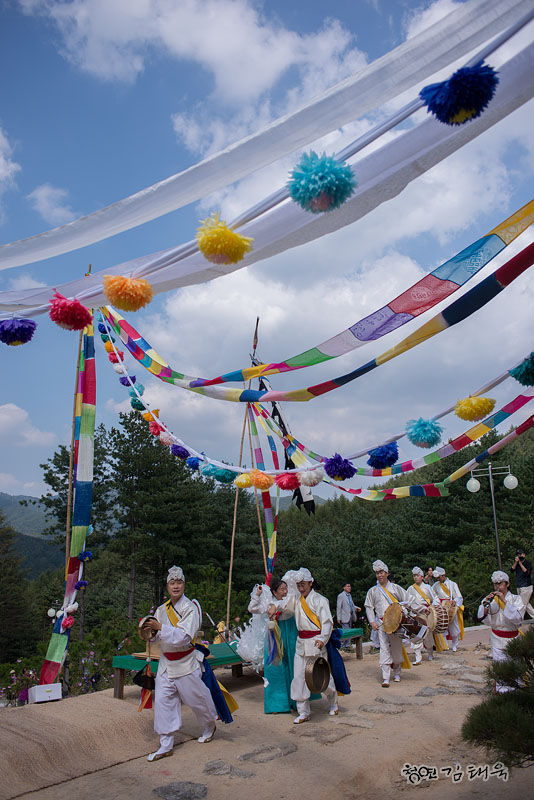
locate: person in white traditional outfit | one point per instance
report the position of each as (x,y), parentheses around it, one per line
(502,611)
(314,625)
(445,589)
(378,598)
(420,592)
(178,679)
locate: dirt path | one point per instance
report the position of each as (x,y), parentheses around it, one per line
(353,756)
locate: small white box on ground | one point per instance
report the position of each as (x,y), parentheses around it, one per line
(44,693)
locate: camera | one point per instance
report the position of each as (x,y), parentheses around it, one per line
(519,553)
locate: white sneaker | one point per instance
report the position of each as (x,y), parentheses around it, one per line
(300,719)
(207,736)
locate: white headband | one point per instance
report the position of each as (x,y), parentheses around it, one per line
(439,571)
(175,574)
(417,571)
(303,575)
(379,565)
(499,576)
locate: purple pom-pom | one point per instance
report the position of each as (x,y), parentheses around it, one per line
(16,331)
(85,555)
(80,585)
(339,468)
(178,450)
(124,380)
(385,456)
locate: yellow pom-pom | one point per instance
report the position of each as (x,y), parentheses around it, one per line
(150,415)
(219,244)
(108,347)
(474,408)
(260,480)
(128,294)
(243,481)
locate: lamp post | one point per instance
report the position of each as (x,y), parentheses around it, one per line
(510,482)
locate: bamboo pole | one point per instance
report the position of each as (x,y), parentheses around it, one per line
(234,525)
(71,459)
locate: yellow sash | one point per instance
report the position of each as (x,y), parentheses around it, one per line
(439,639)
(459,613)
(309,613)
(425,597)
(174,620)
(502,606)
(406,663)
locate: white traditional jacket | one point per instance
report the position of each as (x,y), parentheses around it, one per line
(179,639)
(319,607)
(505,621)
(441,594)
(413,594)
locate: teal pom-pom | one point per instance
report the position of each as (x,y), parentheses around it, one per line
(524,372)
(424,432)
(383,457)
(219,473)
(140,390)
(321,183)
(136,404)
(106,338)
(463,96)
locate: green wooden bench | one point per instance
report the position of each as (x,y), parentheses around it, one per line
(221,655)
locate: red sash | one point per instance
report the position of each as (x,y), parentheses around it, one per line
(505,634)
(309,634)
(178,656)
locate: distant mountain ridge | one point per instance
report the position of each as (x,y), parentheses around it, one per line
(28,520)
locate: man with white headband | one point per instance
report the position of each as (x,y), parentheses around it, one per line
(502,611)
(445,589)
(178,679)
(421,592)
(377,600)
(314,625)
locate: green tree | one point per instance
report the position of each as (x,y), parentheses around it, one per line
(18,631)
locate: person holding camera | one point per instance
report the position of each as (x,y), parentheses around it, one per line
(502,611)
(523,579)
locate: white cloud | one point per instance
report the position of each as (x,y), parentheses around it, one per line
(24,281)
(13,485)
(16,428)
(8,167)
(51,203)
(419,19)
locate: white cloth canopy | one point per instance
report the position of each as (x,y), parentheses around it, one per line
(382,175)
(470,25)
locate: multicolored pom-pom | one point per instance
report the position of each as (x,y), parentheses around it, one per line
(288,481)
(128,294)
(260,480)
(243,481)
(383,457)
(219,473)
(424,432)
(193,462)
(137,404)
(524,372)
(463,96)
(85,555)
(474,408)
(15,332)
(219,244)
(321,183)
(166,438)
(69,314)
(339,468)
(80,585)
(179,451)
(311,477)
(126,382)
(155,428)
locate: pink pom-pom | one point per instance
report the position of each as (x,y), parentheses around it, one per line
(116,358)
(289,481)
(155,428)
(69,314)
(166,438)
(67,622)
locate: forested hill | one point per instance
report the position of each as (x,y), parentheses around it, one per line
(27,519)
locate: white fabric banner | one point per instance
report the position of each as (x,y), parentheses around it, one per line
(470,25)
(381,175)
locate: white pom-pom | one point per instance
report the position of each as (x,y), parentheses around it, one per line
(166,438)
(311,477)
(119,369)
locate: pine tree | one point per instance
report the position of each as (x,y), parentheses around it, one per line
(18,631)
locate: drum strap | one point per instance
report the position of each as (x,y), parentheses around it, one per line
(425,597)
(313,618)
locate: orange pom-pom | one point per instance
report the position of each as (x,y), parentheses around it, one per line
(149,415)
(260,480)
(128,294)
(108,347)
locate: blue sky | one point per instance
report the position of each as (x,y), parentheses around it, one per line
(105,98)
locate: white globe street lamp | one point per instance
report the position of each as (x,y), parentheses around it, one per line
(473,486)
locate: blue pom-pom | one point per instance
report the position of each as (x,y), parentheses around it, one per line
(193,462)
(139,389)
(219,473)
(321,183)
(85,555)
(339,468)
(179,451)
(102,328)
(136,404)
(16,331)
(80,585)
(382,457)
(424,432)
(125,382)
(524,372)
(463,96)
